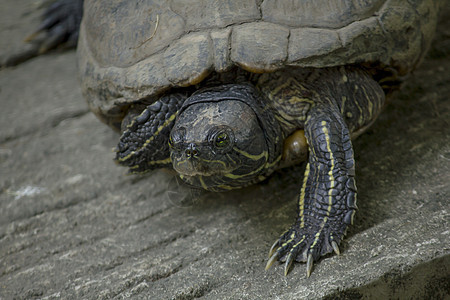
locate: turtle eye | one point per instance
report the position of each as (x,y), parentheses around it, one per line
(222,140)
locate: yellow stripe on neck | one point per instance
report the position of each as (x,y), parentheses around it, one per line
(251,156)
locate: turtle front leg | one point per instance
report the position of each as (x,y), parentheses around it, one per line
(327,200)
(144,144)
(343,101)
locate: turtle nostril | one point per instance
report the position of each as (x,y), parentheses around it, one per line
(191,151)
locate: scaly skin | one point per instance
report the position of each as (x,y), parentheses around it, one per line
(337,100)
(144,145)
(327,201)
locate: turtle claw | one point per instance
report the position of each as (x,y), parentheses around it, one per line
(303,244)
(335,247)
(287,266)
(271,260)
(309,265)
(273,248)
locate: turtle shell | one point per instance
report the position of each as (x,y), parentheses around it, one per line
(134,50)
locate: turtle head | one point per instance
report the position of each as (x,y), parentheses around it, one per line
(218,141)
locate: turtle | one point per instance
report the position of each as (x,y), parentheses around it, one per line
(226,92)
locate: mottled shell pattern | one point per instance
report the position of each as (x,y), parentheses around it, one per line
(134,50)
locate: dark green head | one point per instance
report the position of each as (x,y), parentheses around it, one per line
(218,141)
(218,138)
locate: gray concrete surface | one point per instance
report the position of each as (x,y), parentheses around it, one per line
(74,226)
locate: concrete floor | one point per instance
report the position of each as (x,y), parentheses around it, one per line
(73,225)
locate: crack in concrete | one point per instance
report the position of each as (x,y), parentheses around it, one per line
(51,122)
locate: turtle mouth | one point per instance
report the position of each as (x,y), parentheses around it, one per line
(201,167)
